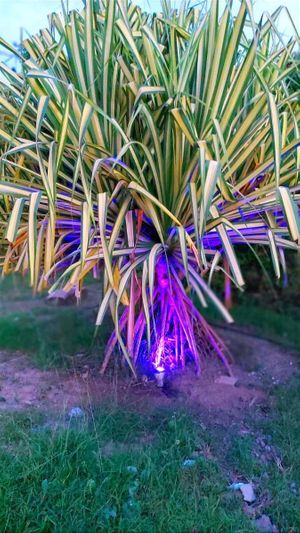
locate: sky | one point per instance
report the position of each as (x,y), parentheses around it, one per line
(31,15)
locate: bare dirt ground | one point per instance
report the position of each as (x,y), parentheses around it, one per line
(259,366)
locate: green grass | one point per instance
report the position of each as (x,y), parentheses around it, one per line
(279,324)
(285,431)
(50,334)
(65,480)
(50,337)
(118,470)
(14,287)
(276,473)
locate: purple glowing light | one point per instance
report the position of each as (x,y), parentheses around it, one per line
(160,368)
(159,352)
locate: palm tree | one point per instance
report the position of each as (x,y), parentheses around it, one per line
(150,144)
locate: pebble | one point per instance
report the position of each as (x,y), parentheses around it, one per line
(264,524)
(226,380)
(188,462)
(248,492)
(76,412)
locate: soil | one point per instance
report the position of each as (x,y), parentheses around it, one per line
(259,367)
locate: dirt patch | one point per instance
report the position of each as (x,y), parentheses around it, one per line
(22,385)
(259,367)
(265,361)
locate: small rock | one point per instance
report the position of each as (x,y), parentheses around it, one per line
(109,513)
(248,492)
(188,462)
(249,510)
(236,486)
(294,488)
(226,380)
(62,297)
(85,375)
(45,484)
(264,524)
(76,412)
(132,469)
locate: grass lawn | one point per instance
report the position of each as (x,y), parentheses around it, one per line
(120,471)
(61,480)
(50,334)
(277,324)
